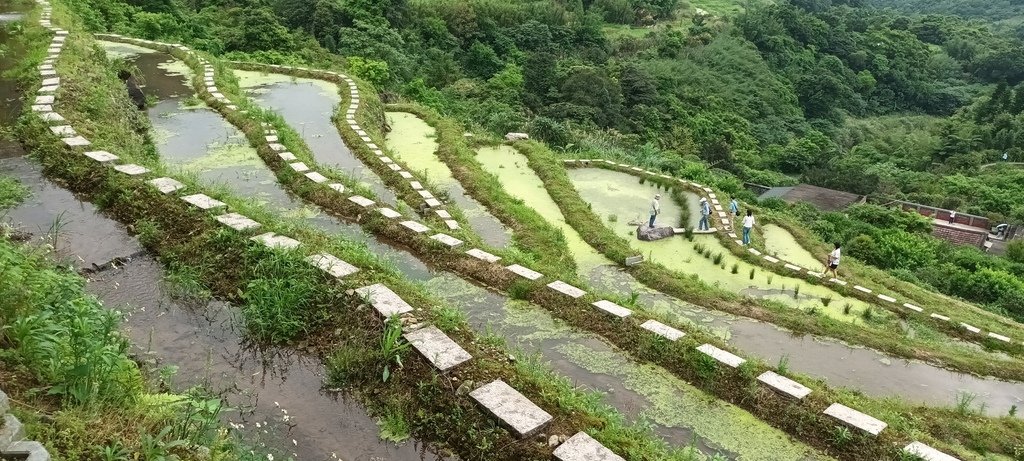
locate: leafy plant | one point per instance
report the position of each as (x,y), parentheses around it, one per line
(841,436)
(736,268)
(392,347)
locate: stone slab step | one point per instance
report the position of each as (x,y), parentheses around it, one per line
(583,447)
(771,259)
(101,156)
(316,177)
(566,289)
(861,289)
(524,272)
(662,330)
(452,224)
(927,453)
(512,408)
(913,307)
(203,201)
(784,385)
(612,308)
(415,226)
(940,317)
(132,169)
(77,141)
(999,337)
(720,355)
(443,214)
(386,302)
(29,451)
(5,402)
(274,241)
(299,167)
(970,328)
(855,419)
(447,240)
(389,213)
(332,265)
(888,299)
(483,255)
(432,202)
(287,156)
(361,201)
(634,260)
(166,185)
(237,222)
(437,347)
(11,431)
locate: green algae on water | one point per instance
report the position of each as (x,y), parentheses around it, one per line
(225,155)
(782,244)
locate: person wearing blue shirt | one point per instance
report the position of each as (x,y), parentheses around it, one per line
(705,211)
(734,207)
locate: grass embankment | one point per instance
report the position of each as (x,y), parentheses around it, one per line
(740,387)
(284,299)
(887,337)
(804,421)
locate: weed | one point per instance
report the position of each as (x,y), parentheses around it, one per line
(826,300)
(613,218)
(718,259)
(634,296)
(770,278)
(520,289)
(688,234)
(841,436)
(707,253)
(867,314)
(707,367)
(1013,410)
(752,272)
(736,269)
(449,318)
(783,366)
(847,308)
(394,427)
(813,310)
(963,402)
(699,248)
(392,347)
(796,292)
(279,298)
(345,365)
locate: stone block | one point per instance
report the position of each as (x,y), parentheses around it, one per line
(270,138)
(76,141)
(332,265)
(447,240)
(405,174)
(393,167)
(372,145)
(365,139)
(940,317)
(48,89)
(415,226)
(566,289)
(386,160)
(432,202)
(443,214)
(732,235)
(784,385)
(739,242)
(838,282)
(885,298)
(913,307)
(815,274)
(48,99)
(203,201)
(927,453)
(634,260)
(42,108)
(276,147)
(5,403)
(792,267)
(299,167)
(970,328)
(612,308)
(339,187)
(483,255)
(452,224)
(720,355)
(386,302)
(287,156)
(583,447)
(275,242)
(650,234)
(425,194)
(771,259)
(861,289)
(237,222)
(524,272)
(101,156)
(754,251)
(513,409)
(132,169)
(416,185)
(28,451)
(217,95)
(361,201)
(855,419)
(389,213)
(998,337)
(316,177)
(11,430)
(440,350)
(662,330)
(51,117)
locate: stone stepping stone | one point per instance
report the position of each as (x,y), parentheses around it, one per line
(237,222)
(738,242)
(452,224)
(276,242)
(393,167)
(372,146)
(425,194)
(513,409)
(432,202)
(927,453)
(771,259)
(337,187)
(913,307)
(132,169)
(389,213)
(203,201)
(42,108)
(583,447)
(271,138)
(612,308)
(524,272)
(277,147)
(361,201)
(386,160)
(861,289)
(48,89)
(27,450)
(566,289)
(940,317)
(11,428)
(815,274)
(998,337)
(332,265)
(483,255)
(299,167)
(725,357)
(416,185)
(365,139)
(855,419)
(437,347)
(784,385)
(443,214)
(287,156)
(754,251)
(970,328)
(662,330)
(101,156)
(76,141)
(166,185)
(415,226)
(386,302)
(887,298)
(316,177)
(838,282)
(793,267)
(446,239)
(51,117)
(405,174)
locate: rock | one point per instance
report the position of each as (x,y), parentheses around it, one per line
(651,234)
(465,388)
(516,137)
(553,441)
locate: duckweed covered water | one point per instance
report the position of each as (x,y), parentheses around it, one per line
(780,243)
(414,142)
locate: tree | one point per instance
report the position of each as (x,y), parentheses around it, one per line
(481,61)
(1015,251)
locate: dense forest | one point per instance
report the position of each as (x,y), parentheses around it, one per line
(835,93)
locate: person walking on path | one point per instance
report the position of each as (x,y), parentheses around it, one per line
(655,209)
(734,207)
(748,224)
(952,217)
(832,265)
(705,212)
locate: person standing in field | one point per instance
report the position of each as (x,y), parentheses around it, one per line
(734,207)
(952,217)
(748,224)
(655,209)
(832,265)
(705,212)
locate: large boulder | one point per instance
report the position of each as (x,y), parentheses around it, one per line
(651,234)
(512,137)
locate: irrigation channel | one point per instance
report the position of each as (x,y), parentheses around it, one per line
(680,413)
(623,196)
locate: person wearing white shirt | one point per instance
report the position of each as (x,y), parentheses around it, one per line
(655,209)
(833,260)
(748,223)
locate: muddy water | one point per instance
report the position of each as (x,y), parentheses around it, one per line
(11,96)
(780,243)
(870,371)
(413,140)
(308,105)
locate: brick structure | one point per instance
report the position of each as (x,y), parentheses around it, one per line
(960,234)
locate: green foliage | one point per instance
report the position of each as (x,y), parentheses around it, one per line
(11,192)
(1015,251)
(279,299)
(373,71)
(391,347)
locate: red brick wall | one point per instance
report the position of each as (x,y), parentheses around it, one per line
(938,213)
(959,236)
